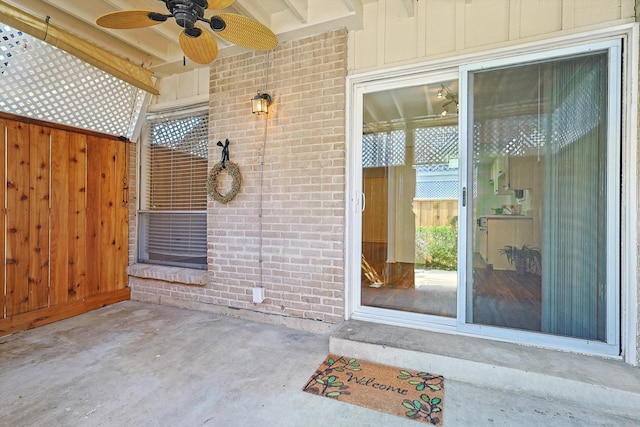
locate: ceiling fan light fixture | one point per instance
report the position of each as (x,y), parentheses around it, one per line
(260,103)
(158,17)
(217,23)
(193,32)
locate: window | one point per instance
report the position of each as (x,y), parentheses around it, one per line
(172,216)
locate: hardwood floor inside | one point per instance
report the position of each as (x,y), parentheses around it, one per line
(500,297)
(506,298)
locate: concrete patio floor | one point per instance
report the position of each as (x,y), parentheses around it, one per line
(140,364)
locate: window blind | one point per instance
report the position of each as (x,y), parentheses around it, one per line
(173,225)
(178,158)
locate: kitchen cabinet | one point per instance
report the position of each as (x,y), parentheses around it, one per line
(511,173)
(499,174)
(521,172)
(500,231)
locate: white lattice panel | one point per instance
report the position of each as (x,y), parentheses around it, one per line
(188,134)
(383,149)
(435,145)
(512,136)
(40,81)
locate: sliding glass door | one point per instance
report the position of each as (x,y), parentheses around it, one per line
(489,199)
(545,179)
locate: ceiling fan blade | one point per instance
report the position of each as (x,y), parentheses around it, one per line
(246,32)
(128,19)
(201,49)
(220,4)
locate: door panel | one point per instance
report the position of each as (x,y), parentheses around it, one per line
(541,171)
(410,182)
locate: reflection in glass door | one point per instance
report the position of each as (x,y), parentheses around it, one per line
(410,184)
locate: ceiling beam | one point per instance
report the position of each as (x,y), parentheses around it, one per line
(399,106)
(428,99)
(356,5)
(299,8)
(254,10)
(350,5)
(368,108)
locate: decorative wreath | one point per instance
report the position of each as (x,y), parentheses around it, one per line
(212,182)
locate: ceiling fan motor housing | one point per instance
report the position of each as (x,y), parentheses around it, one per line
(187,12)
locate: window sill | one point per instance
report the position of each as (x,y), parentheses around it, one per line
(184,276)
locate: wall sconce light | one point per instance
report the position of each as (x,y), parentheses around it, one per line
(260,103)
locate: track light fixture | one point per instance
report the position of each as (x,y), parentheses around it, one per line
(451,98)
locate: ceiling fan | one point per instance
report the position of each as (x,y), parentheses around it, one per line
(197,44)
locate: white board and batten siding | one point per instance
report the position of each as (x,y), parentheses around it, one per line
(398,32)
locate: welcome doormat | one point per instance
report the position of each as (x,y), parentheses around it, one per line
(402,392)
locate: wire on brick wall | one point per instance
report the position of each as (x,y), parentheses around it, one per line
(264,145)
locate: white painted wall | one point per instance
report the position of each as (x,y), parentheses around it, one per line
(188,88)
